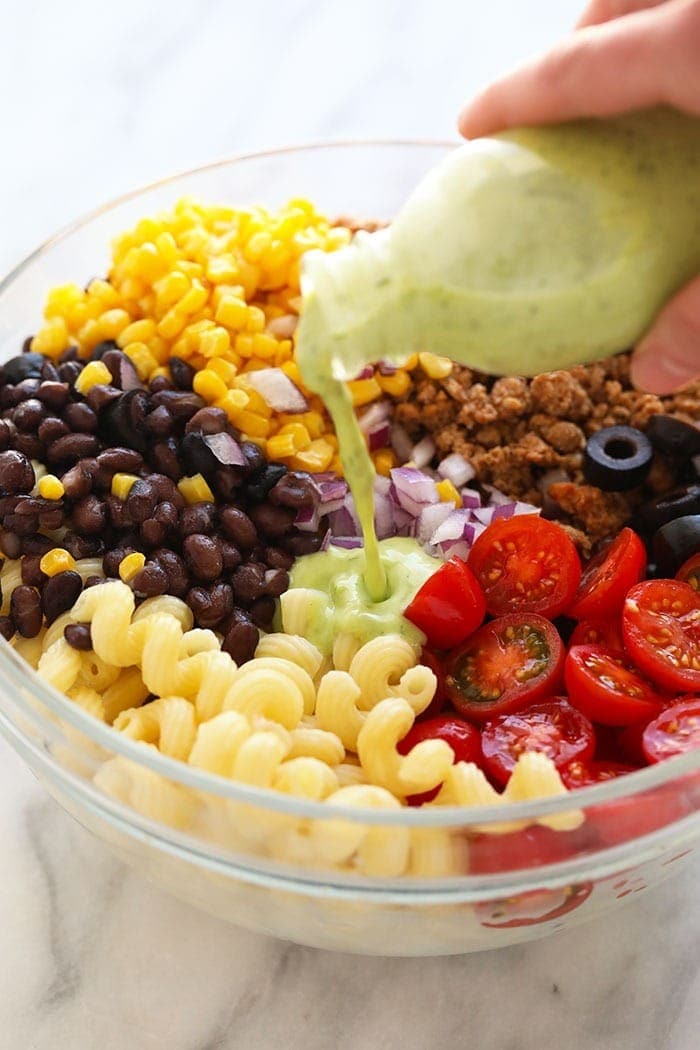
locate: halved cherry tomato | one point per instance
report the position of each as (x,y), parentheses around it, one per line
(449,606)
(689,572)
(505,666)
(598,632)
(608,576)
(580,774)
(526,564)
(527,848)
(607,688)
(629,743)
(623,819)
(429,659)
(673,732)
(552,727)
(464,739)
(532,907)
(661,631)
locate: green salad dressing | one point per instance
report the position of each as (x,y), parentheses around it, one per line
(533,250)
(345,605)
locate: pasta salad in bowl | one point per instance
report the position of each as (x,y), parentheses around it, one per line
(502,744)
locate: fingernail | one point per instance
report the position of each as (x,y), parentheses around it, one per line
(660,369)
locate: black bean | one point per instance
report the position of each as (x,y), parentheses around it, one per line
(82,546)
(90,516)
(238,527)
(165,489)
(124,420)
(73,447)
(113,559)
(263,480)
(24,366)
(248,582)
(210,605)
(227,482)
(77,481)
(10,544)
(277,558)
(141,501)
(182,373)
(25,610)
(160,383)
(272,521)
(60,593)
(205,453)
(28,388)
(69,371)
(152,533)
(230,555)
(116,510)
(31,573)
(208,420)
(70,354)
(8,398)
(7,628)
(261,612)
(164,458)
(78,636)
(54,395)
(50,520)
(81,418)
(203,556)
(51,429)
(254,456)
(93,581)
(103,348)
(166,514)
(8,432)
(29,445)
(181,405)
(200,517)
(23,525)
(159,422)
(295,490)
(276,582)
(100,395)
(36,544)
(49,372)
(123,373)
(151,580)
(302,543)
(28,415)
(119,460)
(178,577)
(16,472)
(240,637)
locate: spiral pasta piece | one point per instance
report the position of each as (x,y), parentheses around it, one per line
(168,723)
(294,649)
(273,688)
(374,850)
(386,667)
(337,707)
(423,768)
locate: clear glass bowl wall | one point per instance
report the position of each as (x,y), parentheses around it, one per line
(248,855)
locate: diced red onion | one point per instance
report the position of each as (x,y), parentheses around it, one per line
(457,526)
(456,549)
(379,412)
(401,443)
(277,390)
(423,452)
(346,542)
(326,541)
(430,518)
(484,515)
(470,499)
(496,497)
(330,487)
(378,436)
(382,485)
(343,521)
(412,489)
(456,469)
(365,373)
(384,515)
(308,519)
(385,369)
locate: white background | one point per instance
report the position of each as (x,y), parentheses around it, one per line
(95,99)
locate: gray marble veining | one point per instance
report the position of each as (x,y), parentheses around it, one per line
(95,99)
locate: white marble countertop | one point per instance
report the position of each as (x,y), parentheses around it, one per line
(93,101)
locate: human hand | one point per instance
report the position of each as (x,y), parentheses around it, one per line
(624,55)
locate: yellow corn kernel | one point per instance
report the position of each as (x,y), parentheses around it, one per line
(171,288)
(131,565)
(232,312)
(226,291)
(167,248)
(142,359)
(257,246)
(255,319)
(122,484)
(264,346)
(232,403)
(316,457)
(396,385)
(194,300)
(195,489)
(299,434)
(95,372)
(105,293)
(252,424)
(435,367)
(363,391)
(256,402)
(52,339)
(226,369)
(221,268)
(137,332)
(62,299)
(50,487)
(244,345)
(209,385)
(280,446)
(171,324)
(55,561)
(448,493)
(214,342)
(384,460)
(112,323)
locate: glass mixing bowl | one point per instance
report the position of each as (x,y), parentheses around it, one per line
(402,882)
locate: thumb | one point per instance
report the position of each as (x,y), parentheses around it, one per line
(668,357)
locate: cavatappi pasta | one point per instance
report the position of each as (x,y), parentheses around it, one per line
(289,720)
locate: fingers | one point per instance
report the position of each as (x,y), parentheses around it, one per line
(669,355)
(641,60)
(605,10)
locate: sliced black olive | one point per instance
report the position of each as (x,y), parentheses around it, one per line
(673,437)
(24,366)
(675,542)
(672,505)
(617,458)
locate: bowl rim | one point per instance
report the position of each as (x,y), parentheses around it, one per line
(19,672)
